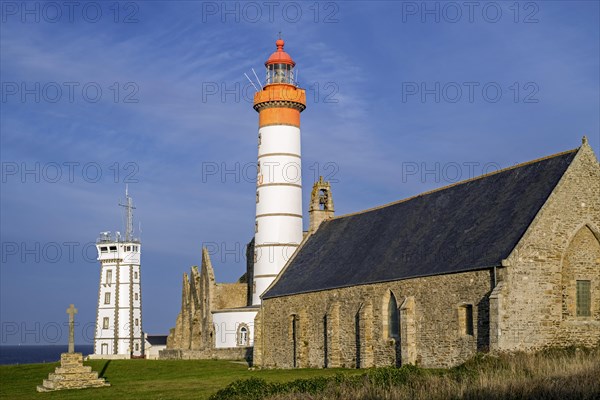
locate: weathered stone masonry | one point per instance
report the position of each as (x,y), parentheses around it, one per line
(562,245)
(432,329)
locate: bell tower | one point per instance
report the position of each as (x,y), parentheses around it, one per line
(321,204)
(278,223)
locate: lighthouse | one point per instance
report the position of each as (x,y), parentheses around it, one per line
(278,223)
(119,314)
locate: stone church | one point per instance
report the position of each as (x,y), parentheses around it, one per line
(502,262)
(506,261)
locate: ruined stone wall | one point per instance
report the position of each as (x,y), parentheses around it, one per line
(536,305)
(347,327)
(237,353)
(194,329)
(230,295)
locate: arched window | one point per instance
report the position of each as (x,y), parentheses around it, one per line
(393,318)
(243,335)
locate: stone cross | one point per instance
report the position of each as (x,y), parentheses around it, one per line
(71,311)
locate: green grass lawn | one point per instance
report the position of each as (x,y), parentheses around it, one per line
(145,379)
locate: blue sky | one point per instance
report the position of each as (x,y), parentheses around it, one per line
(403,97)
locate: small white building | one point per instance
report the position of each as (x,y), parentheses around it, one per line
(119,314)
(153,345)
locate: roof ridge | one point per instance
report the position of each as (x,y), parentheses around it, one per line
(455,184)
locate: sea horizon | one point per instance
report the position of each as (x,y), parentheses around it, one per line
(13,354)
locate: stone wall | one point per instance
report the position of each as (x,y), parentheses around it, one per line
(230,295)
(561,246)
(347,327)
(237,353)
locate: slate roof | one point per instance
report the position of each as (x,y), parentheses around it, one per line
(157,340)
(470,225)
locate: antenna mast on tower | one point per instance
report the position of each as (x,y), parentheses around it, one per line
(128,215)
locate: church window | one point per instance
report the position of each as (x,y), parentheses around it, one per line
(325,343)
(393,318)
(108,276)
(357,339)
(136,296)
(584,299)
(105,323)
(465,319)
(107,298)
(243,335)
(294,329)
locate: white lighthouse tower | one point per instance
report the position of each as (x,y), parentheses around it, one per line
(119,316)
(278,224)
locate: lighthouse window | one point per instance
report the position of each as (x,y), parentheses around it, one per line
(257,196)
(259,139)
(109,276)
(106,298)
(279,73)
(137,347)
(105,323)
(113,248)
(136,296)
(135,275)
(103,249)
(137,322)
(256,227)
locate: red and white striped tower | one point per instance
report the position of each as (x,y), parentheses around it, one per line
(279,182)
